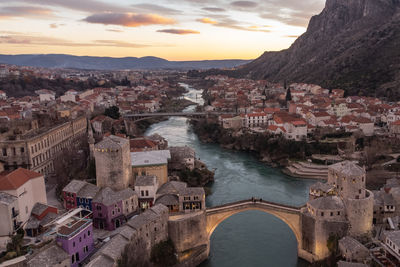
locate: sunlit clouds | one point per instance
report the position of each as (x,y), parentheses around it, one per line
(178,31)
(171,29)
(129,19)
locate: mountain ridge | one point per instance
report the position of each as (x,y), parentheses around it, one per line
(112,63)
(351,44)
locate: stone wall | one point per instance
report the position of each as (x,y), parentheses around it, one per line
(316,232)
(188,232)
(360,214)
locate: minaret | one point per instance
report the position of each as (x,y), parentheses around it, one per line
(90,140)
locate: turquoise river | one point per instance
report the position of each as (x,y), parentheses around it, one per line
(251,238)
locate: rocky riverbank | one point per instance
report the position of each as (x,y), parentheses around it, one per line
(275,151)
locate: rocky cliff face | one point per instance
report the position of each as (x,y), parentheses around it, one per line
(351,44)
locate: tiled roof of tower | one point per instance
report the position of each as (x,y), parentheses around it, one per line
(112,142)
(348,168)
(327,203)
(17,178)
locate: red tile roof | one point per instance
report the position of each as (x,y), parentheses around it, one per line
(16,179)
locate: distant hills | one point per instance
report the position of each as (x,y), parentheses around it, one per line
(110,63)
(351,44)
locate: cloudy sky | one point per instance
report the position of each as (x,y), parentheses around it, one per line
(171,29)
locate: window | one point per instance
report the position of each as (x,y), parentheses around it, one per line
(338,213)
(142,193)
(80,239)
(88,233)
(4,151)
(84,236)
(322,213)
(73,244)
(331,213)
(73,259)
(147,193)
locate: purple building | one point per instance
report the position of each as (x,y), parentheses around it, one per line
(112,209)
(75,236)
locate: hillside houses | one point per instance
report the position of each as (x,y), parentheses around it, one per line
(310,107)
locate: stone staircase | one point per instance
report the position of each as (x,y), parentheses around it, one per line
(307,170)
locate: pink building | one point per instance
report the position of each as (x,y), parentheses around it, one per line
(75,236)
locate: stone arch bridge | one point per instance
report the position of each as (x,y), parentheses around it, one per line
(191,115)
(288,214)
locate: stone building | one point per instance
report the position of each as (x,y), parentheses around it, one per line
(182,157)
(36,149)
(392,244)
(142,232)
(320,190)
(146,188)
(151,163)
(349,180)
(180,198)
(340,207)
(113,163)
(387,201)
(112,209)
(352,250)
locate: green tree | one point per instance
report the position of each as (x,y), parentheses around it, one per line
(288,95)
(163,253)
(112,112)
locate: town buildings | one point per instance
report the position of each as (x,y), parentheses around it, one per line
(180,198)
(79,194)
(36,148)
(141,232)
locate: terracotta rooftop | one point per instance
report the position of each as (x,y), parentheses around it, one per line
(15,179)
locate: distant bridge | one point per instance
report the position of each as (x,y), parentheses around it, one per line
(288,214)
(190,115)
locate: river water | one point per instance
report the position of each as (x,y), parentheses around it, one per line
(251,238)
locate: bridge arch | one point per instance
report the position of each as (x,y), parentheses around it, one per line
(289,215)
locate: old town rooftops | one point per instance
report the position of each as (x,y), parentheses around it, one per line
(73,226)
(108,197)
(81,189)
(352,245)
(347,168)
(74,186)
(48,256)
(17,178)
(148,158)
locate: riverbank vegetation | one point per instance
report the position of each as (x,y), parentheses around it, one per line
(272,149)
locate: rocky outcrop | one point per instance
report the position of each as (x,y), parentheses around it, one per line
(351,44)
